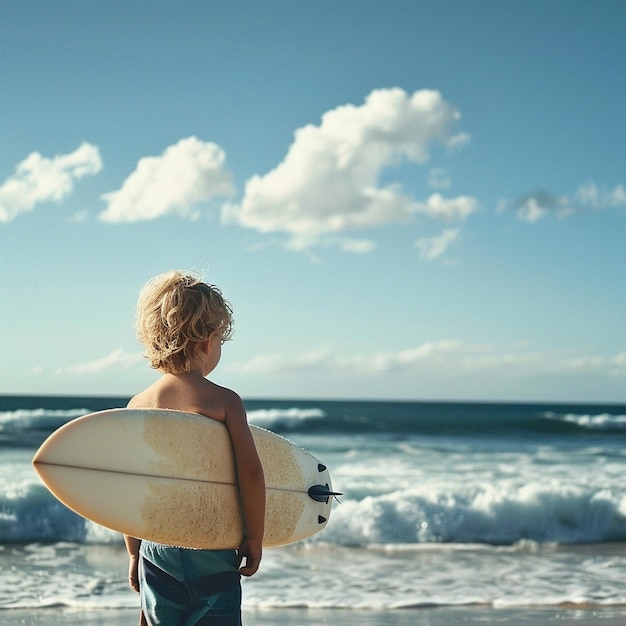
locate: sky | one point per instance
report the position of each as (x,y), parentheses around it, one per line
(420,200)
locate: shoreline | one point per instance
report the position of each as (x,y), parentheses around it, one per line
(431,616)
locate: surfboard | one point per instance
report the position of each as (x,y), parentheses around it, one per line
(170,477)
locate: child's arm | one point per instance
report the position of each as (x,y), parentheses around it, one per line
(132,545)
(251,483)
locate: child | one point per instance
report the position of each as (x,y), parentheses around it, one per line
(182,323)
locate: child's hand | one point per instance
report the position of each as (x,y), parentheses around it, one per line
(133,573)
(251,551)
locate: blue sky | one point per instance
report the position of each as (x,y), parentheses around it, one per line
(411,200)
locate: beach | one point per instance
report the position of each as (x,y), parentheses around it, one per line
(468,616)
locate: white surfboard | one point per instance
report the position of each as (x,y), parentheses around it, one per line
(170,477)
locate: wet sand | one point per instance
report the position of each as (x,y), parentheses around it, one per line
(467,616)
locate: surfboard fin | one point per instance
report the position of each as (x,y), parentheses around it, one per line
(322,493)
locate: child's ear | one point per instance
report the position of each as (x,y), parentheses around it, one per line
(206,345)
(213,337)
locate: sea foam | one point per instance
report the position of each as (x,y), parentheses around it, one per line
(488,515)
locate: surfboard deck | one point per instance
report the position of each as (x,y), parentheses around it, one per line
(170,477)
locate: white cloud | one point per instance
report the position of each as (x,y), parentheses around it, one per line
(534,206)
(79,217)
(449,209)
(590,196)
(187,173)
(444,358)
(438,178)
(38,179)
(617,197)
(281,362)
(615,365)
(430,248)
(329,180)
(347,244)
(116,359)
(357,246)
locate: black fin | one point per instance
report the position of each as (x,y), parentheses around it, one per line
(321,493)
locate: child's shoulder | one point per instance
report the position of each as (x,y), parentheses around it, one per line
(222,396)
(194,396)
(145,399)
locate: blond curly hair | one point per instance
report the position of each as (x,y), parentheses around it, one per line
(176,312)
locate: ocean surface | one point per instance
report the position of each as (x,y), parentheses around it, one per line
(445,504)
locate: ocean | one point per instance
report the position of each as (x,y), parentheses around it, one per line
(444,505)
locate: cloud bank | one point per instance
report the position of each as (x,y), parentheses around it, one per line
(174,183)
(38,179)
(329,181)
(446,357)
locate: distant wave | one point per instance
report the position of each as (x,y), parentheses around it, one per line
(37,418)
(603,421)
(25,419)
(447,419)
(289,419)
(27,428)
(463,419)
(434,419)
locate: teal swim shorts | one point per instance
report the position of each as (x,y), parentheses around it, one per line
(184,587)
